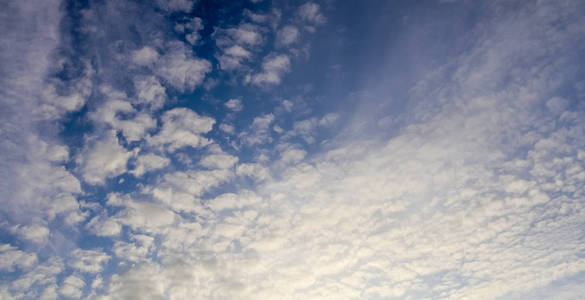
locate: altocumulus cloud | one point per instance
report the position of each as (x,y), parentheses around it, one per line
(268,150)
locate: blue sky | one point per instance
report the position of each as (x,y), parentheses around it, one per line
(173,149)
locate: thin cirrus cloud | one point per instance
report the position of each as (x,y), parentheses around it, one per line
(202,158)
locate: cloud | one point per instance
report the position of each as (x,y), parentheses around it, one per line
(150,92)
(245,34)
(219,161)
(142,282)
(181,190)
(259,131)
(103,158)
(234,104)
(292,156)
(88,261)
(145,56)
(134,127)
(72,287)
(12,258)
(180,70)
(182,127)
(149,162)
(141,216)
(253,170)
(310,12)
(191,30)
(35,233)
(227,128)
(135,251)
(233,201)
(273,69)
(474,192)
(104,226)
(237,44)
(287,35)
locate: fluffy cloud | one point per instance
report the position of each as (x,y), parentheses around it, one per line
(12,257)
(287,35)
(72,287)
(234,104)
(103,158)
(182,127)
(180,69)
(137,250)
(311,13)
(35,233)
(237,44)
(133,128)
(191,30)
(146,56)
(273,69)
(259,131)
(89,261)
(149,162)
(219,161)
(141,216)
(150,92)
(104,226)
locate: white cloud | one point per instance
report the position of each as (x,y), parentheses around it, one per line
(310,12)
(191,29)
(149,91)
(288,105)
(135,251)
(329,119)
(142,282)
(227,128)
(145,56)
(287,35)
(103,158)
(259,131)
(253,170)
(292,156)
(219,161)
(557,105)
(35,233)
(237,52)
(88,261)
(133,128)
(55,104)
(272,18)
(244,34)
(233,201)
(182,127)
(149,162)
(180,69)
(141,216)
(236,44)
(104,226)
(180,190)
(273,69)
(72,287)
(234,104)
(10,257)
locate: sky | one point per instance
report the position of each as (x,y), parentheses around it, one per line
(176,149)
